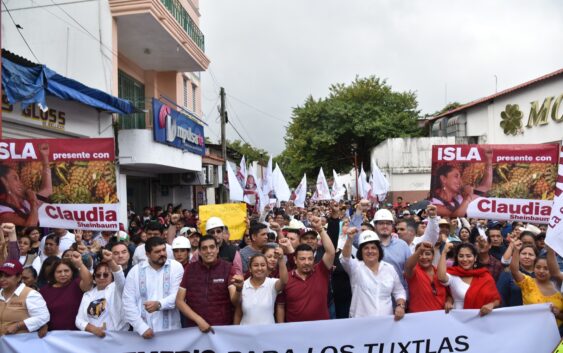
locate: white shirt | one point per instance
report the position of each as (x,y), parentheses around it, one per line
(36,307)
(103,306)
(371,293)
(133,305)
(140,254)
(258,303)
(458,288)
(65,242)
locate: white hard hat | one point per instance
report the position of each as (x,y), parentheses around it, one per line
(295,224)
(383,215)
(181,242)
(213,222)
(186,231)
(367,236)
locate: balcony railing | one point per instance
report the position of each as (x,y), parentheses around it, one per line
(187,23)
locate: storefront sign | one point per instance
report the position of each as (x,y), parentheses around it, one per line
(59,183)
(174,129)
(521,329)
(51,118)
(540,114)
(503,182)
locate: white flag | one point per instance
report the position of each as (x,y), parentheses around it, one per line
(235,190)
(251,186)
(323,192)
(280,185)
(301,192)
(267,183)
(363,184)
(379,184)
(241,172)
(262,198)
(554,236)
(337,189)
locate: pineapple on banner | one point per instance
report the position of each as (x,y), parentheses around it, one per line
(65,183)
(502,182)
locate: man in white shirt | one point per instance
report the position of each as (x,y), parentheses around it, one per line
(150,291)
(152,229)
(66,239)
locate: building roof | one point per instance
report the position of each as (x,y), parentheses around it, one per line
(499,94)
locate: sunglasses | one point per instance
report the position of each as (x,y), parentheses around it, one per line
(434,291)
(102,274)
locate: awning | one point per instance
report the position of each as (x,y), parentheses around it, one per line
(29,83)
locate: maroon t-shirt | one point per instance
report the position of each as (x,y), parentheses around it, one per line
(306,300)
(63,304)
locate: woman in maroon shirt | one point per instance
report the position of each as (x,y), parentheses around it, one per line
(68,280)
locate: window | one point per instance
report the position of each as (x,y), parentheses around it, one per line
(134,91)
(194,98)
(185,92)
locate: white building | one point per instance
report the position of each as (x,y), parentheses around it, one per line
(135,49)
(534,107)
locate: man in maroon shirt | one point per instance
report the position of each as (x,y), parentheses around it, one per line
(209,289)
(307,289)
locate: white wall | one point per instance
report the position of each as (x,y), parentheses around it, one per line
(59,42)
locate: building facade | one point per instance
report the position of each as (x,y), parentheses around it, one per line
(529,113)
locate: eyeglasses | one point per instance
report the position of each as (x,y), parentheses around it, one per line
(102,274)
(215,231)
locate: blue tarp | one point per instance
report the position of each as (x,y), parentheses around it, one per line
(31,84)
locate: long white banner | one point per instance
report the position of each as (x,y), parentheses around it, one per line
(521,329)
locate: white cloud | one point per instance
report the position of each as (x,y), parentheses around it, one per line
(273,54)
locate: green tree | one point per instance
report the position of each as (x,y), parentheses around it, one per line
(251,153)
(365,113)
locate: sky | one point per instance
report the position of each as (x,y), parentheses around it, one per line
(271,55)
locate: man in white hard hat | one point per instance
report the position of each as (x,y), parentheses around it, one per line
(216,228)
(396,251)
(181,249)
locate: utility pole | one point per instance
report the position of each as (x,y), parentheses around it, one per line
(223,114)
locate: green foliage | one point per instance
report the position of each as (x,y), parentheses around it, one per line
(251,153)
(322,131)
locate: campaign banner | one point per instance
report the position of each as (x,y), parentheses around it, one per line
(233,216)
(175,129)
(554,234)
(530,328)
(59,183)
(502,182)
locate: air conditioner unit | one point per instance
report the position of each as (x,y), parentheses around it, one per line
(192,178)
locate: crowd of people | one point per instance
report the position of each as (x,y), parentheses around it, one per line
(330,260)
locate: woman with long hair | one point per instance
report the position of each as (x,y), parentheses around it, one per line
(259,291)
(510,293)
(471,284)
(539,289)
(68,280)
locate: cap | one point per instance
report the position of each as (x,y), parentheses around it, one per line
(367,236)
(12,267)
(122,236)
(443,221)
(493,224)
(294,224)
(186,231)
(306,231)
(181,242)
(406,213)
(530,228)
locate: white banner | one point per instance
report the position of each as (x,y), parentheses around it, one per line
(529,328)
(80,216)
(532,211)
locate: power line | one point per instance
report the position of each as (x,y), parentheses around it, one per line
(258,109)
(21,34)
(239,120)
(238,133)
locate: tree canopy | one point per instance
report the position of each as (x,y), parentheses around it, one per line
(251,153)
(365,113)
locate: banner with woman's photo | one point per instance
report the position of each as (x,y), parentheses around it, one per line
(502,182)
(59,183)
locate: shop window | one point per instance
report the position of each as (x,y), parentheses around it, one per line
(134,91)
